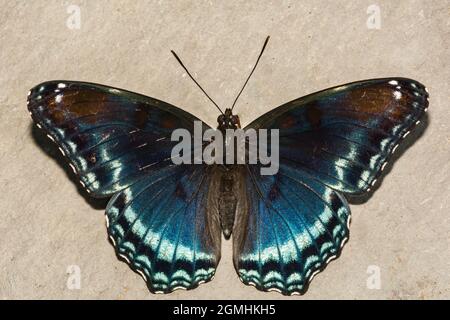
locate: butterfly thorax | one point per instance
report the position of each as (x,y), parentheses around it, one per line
(228,120)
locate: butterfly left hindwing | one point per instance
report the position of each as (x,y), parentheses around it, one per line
(163,227)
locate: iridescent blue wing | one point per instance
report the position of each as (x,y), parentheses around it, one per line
(344,135)
(292,225)
(164,227)
(110,136)
(336,140)
(118,144)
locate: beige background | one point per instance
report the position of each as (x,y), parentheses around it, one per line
(46,225)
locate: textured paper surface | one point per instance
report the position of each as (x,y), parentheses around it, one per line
(46,224)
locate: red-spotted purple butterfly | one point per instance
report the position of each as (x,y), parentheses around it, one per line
(166,220)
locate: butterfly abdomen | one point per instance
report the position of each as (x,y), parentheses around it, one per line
(227,203)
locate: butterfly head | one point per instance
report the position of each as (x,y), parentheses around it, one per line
(228,120)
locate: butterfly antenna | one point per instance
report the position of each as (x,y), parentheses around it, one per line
(259,57)
(193,79)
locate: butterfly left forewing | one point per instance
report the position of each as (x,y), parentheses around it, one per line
(110,136)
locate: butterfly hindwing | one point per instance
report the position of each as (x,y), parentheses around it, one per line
(162,226)
(292,226)
(344,135)
(110,136)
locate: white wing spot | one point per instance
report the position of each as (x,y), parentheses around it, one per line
(329,259)
(73,168)
(395,148)
(124,257)
(313,275)
(62,151)
(393,82)
(344,241)
(112,240)
(142,274)
(141,145)
(179,288)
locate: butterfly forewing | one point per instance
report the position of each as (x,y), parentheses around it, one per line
(110,136)
(344,135)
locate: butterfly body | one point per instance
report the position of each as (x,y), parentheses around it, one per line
(227,196)
(166,220)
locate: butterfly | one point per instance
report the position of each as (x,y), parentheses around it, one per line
(166,220)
